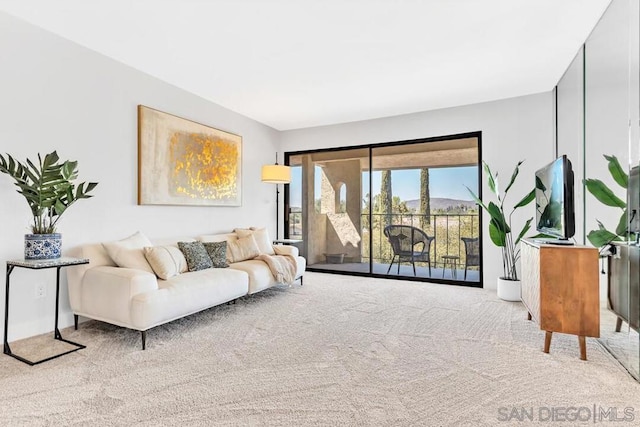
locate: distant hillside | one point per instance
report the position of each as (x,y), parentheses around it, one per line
(441,203)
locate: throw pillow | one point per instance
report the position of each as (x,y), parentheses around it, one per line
(166,261)
(242,249)
(128,253)
(261,235)
(218,253)
(196,255)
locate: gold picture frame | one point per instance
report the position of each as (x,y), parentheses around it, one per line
(181,162)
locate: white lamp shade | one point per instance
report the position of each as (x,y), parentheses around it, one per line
(276,174)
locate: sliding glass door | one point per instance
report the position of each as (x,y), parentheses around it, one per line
(399,209)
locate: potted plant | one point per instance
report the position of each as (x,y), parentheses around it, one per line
(47,186)
(500,231)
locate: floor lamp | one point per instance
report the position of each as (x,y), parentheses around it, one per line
(276,174)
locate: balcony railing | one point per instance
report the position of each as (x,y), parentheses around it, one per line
(447,229)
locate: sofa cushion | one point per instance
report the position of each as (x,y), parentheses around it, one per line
(218,253)
(196,255)
(242,249)
(261,235)
(128,252)
(166,261)
(260,276)
(187,293)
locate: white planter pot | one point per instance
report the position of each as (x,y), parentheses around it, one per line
(509,290)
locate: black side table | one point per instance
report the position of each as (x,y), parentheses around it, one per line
(58,264)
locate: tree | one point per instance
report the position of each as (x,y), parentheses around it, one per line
(399,206)
(425,199)
(386,198)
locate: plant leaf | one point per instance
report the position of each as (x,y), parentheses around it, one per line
(603,193)
(618,174)
(491,180)
(623,224)
(513,176)
(524,230)
(526,199)
(497,236)
(497,216)
(475,199)
(599,238)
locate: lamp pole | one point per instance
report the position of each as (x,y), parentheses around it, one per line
(277,209)
(276,174)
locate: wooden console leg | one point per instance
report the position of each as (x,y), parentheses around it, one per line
(547,341)
(528,316)
(583,347)
(618,324)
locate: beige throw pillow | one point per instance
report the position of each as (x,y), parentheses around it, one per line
(166,261)
(128,253)
(261,235)
(242,249)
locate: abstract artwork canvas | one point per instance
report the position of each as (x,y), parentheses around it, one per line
(181,162)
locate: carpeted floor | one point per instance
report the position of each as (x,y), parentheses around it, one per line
(338,351)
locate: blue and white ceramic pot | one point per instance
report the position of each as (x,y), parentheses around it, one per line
(42,246)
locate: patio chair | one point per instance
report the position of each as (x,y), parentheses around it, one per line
(472,253)
(409,244)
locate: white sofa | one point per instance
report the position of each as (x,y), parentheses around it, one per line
(139,300)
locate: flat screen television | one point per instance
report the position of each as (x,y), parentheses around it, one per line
(555,215)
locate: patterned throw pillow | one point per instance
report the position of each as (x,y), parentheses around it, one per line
(218,253)
(196,255)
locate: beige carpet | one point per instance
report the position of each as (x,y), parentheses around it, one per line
(338,351)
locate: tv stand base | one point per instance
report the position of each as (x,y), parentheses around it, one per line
(582,342)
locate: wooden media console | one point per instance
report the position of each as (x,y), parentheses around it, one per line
(560,289)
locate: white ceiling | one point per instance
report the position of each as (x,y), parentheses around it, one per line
(302,63)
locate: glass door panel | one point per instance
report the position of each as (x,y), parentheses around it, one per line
(422,212)
(327,208)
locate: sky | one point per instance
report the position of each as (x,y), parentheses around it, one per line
(443,183)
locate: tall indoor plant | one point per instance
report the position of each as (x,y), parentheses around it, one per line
(501,230)
(48,187)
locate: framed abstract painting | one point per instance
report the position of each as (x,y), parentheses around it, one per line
(181,162)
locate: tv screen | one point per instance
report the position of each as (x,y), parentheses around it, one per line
(555,215)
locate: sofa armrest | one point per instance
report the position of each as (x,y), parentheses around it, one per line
(106,292)
(286,250)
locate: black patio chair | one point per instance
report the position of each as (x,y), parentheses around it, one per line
(409,244)
(472,253)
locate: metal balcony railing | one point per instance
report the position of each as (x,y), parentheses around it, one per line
(447,229)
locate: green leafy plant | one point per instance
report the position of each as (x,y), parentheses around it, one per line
(605,195)
(500,228)
(47,186)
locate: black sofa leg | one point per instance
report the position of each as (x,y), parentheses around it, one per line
(144,340)
(301,282)
(75,321)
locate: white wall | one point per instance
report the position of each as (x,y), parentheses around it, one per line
(512,129)
(56,95)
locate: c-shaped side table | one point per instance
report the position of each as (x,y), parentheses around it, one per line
(58,264)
